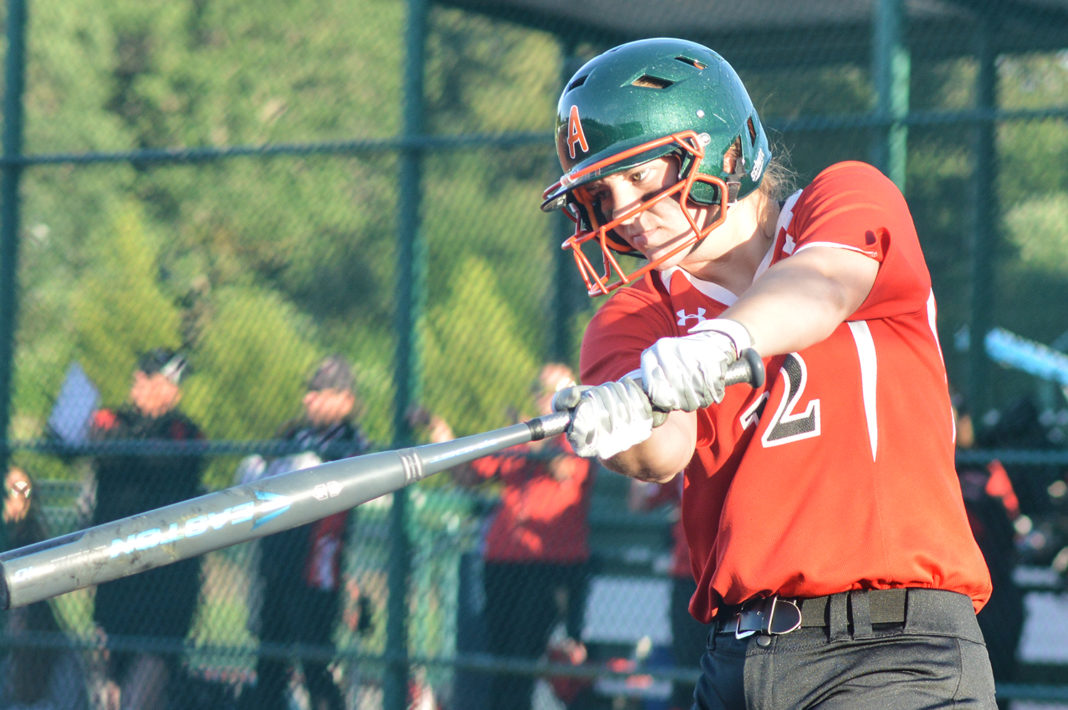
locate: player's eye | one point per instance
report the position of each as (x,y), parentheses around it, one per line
(640,175)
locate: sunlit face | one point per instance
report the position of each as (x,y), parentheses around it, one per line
(17,492)
(328,406)
(661,227)
(155,394)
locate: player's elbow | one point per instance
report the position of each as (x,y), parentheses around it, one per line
(663,455)
(647,475)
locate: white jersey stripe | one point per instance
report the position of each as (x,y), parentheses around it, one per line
(932,317)
(869,372)
(833,245)
(708,288)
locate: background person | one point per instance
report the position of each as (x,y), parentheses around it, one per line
(39,677)
(822,509)
(34,673)
(688,636)
(142,473)
(300,569)
(992,506)
(20,528)
(536,548)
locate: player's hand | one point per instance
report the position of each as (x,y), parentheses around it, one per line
(606,419)
(688,372)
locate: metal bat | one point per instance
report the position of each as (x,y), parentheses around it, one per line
(241,513)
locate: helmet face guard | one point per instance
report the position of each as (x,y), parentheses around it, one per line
(590,225)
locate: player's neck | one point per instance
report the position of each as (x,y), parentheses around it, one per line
(745,238)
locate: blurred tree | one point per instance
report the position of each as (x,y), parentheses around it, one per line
(479,369)
(120,308)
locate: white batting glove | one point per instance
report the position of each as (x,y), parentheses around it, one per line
(688,372)
(606,419)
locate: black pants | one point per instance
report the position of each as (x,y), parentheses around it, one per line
(688,638)
(299,615)
(935,659)
(521,611)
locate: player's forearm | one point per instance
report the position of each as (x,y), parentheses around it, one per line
(801,300)
(663,455)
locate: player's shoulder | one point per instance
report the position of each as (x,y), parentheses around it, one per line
(850,169)
(849,177)
(850,190)
(629,321)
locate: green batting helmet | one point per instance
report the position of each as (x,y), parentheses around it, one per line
(646,99)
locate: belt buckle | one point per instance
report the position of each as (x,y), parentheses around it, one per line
(792,612)
(738,633)
(789,606)
(755,606)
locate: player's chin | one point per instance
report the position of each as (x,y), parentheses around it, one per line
(667,259)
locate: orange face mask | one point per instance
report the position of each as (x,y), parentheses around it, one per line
(581,210)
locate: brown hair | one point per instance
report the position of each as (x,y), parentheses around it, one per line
(780,180)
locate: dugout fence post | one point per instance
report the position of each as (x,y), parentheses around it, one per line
(14,84)
(408,361)
(890,73)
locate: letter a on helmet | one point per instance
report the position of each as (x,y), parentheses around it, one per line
(641,101)
(575,136)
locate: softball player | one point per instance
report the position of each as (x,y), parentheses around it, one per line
(827,532)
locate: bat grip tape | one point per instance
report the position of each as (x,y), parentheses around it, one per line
(548,425)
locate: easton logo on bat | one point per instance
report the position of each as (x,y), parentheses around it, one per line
(268,507)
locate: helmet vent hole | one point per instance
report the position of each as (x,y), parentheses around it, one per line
(752,130)
(692,62)
(577,82)
(648,81)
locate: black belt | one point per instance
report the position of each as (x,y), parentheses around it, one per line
(780,615)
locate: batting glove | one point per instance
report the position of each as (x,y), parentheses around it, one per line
(688,372)
(607,419)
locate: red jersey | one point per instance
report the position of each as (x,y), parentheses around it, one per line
(544,508)
(838,473)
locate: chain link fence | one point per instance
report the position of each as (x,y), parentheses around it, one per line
(261,185)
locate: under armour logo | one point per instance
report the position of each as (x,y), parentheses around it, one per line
(684,316)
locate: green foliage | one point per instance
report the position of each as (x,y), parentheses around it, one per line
(478,367)
(1036,228)
(69,77)
(119,308)
(495,217)
(489,77)
(252,365)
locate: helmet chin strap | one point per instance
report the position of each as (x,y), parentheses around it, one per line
(733,185)
(733,159)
